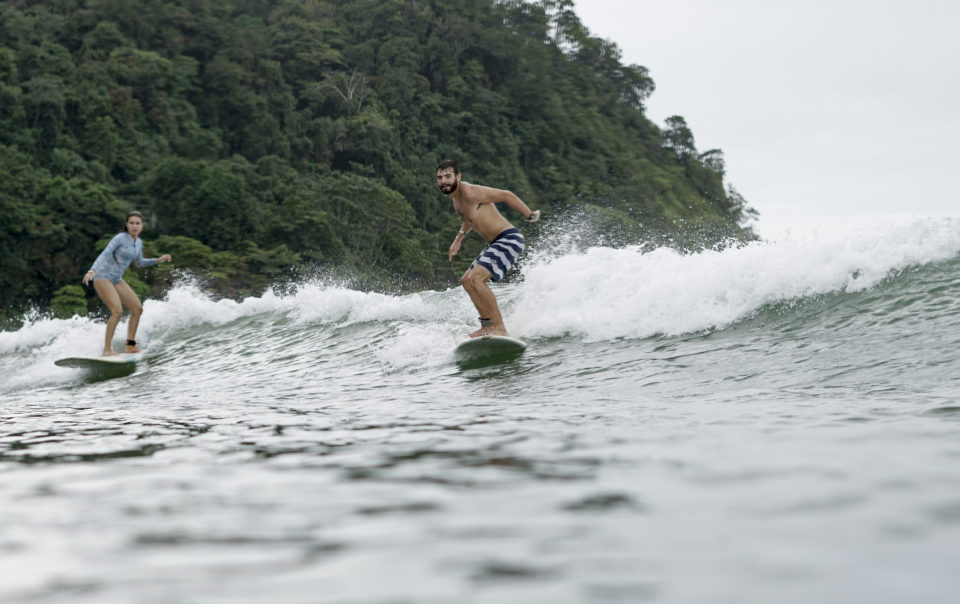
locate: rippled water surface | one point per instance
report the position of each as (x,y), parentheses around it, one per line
(778,422)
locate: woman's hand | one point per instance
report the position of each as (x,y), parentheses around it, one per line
(88,277)
(164,258)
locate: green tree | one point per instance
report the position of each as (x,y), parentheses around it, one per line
(372,218)
(68,301)
(679,137)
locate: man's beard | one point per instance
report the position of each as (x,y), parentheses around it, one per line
(453,188)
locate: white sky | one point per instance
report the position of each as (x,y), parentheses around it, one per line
(822,108)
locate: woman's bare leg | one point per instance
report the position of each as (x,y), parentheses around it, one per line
(132,302)
(108,293)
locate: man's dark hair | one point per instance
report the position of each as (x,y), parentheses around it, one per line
(448,163)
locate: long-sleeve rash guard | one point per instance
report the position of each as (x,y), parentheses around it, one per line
(117,256)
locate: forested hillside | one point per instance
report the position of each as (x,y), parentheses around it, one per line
(265,137)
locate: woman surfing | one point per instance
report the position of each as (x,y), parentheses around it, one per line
(107,277)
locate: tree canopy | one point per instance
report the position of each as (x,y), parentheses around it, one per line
(261,136)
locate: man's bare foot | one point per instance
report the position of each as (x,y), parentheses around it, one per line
(109,353)
(486,328)
(489,331)
(131,350)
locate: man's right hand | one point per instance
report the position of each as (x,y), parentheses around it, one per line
(454,248)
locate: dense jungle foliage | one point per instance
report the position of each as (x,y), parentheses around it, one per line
(265,139)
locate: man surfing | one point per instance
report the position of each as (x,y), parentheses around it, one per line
(475,204)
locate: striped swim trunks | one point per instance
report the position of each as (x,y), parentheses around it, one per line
(500,256)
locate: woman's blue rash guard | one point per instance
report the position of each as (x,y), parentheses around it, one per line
(117,256)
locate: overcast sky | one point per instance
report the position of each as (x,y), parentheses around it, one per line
(821,107)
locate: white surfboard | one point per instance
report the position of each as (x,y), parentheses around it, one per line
(120,360)
(484,347)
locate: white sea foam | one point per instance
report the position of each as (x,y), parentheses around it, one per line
(603,293)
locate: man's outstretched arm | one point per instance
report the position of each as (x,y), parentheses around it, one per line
(491,195)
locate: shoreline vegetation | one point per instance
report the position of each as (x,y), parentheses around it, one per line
(267,140)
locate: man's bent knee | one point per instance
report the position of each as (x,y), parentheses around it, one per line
(477,275)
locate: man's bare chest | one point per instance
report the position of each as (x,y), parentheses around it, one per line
(467,210)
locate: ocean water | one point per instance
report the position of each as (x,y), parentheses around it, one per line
(778,422)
